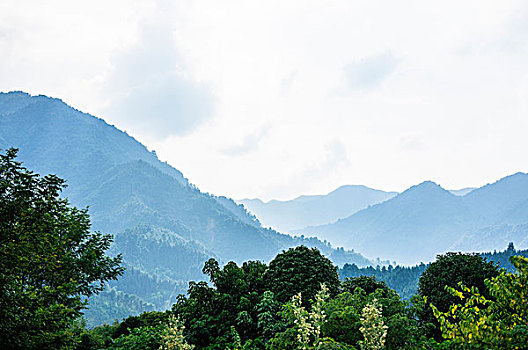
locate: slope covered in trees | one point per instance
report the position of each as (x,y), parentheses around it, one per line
(404,279)
(155,213)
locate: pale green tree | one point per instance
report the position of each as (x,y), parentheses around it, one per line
(172,337)
(373,329)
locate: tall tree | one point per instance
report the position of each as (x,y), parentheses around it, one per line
(449,270)
(498,323)
(50,261)
(300,269)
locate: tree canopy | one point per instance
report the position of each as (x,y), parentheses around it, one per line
(449,270)
(300,270)
(496,322)
(50,261)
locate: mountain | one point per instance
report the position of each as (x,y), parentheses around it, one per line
(462,191)
(412,225)
(503,202)
(303,211)
(164,226)
(426,220)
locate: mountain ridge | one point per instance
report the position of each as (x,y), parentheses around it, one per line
(304,210)
(131,193)
(426,216)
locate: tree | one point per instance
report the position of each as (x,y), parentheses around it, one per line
(478,322)
(300,270)
(449,270)
(367,283)
(306,328)
(373,330)
(50,261)
(172,338)
(234,300)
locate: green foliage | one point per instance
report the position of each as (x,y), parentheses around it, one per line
(237,313)
(480,322)
(141,338)
(300,270)
(368,283)
(344,318)
(49,259)
(449,270)
(236,299)
(305,331)
(153,318)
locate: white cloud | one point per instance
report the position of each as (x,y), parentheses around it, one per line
(427,90)
(249,143)
(148,88)
(370,72)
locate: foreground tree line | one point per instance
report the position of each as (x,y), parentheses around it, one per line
(50,263)
(297,302)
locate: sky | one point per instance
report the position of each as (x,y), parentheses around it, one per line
(274,99)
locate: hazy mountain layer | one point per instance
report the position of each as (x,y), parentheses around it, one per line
(462,191)
(426,220)
(303,211)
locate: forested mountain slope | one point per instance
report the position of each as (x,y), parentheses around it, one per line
(404,279)
(155,213)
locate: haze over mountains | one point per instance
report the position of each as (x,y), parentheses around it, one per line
(426,220)
(295,214)
(164,226)
(315,210)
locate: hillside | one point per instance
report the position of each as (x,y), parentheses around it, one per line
(407,228)
(303,211)
(154,212)
(426,220)
(404,279)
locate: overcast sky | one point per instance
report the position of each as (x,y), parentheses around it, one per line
(273,99)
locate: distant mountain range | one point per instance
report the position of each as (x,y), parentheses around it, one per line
(164,226)
(303,211)
(426,220)
(315,210)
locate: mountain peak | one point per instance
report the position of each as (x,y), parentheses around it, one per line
(426,187)
(517,175)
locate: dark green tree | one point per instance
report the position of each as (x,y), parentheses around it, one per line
(300,269)
(50,261)
(367,283)
(450,269)
(234,300)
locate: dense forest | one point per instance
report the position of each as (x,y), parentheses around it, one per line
(298,302)
(404,279)
(51,262)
